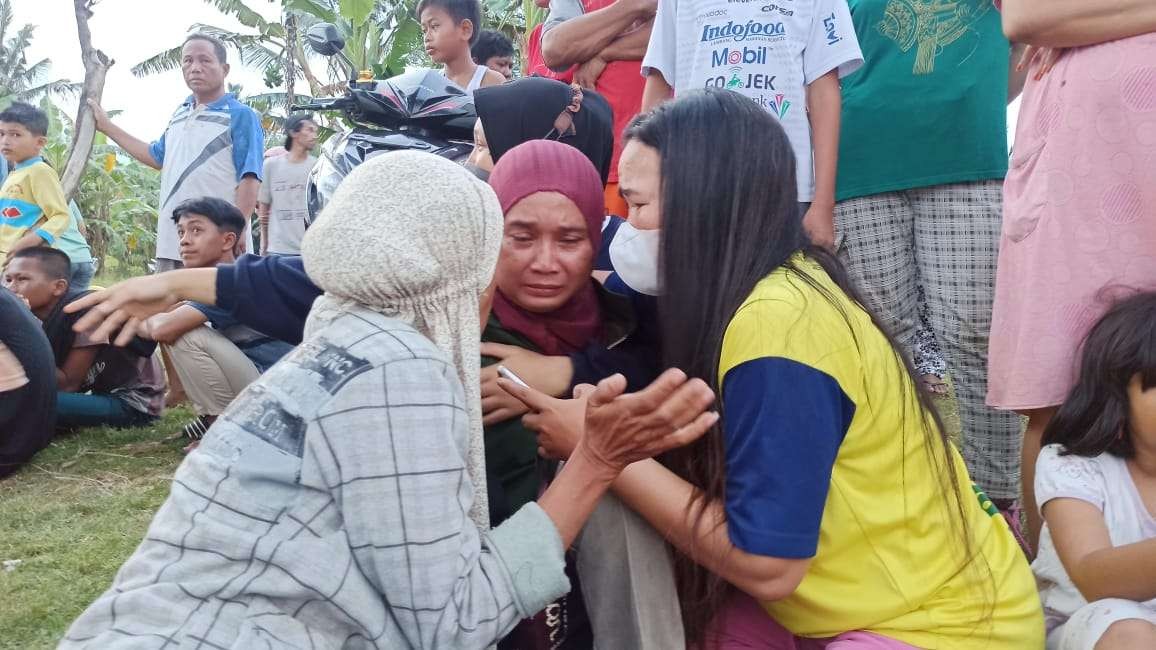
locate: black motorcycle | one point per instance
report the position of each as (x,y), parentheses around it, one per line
(420,110)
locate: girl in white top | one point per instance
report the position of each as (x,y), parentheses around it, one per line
(1096,488)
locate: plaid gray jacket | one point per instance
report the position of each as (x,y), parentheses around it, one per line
(327,508)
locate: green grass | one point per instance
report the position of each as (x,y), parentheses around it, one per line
(106,277)
(71,518)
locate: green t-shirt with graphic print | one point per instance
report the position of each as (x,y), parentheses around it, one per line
(929,105)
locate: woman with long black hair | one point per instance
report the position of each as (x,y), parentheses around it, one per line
(828,495)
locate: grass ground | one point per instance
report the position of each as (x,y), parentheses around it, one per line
(70,519)
(73,516)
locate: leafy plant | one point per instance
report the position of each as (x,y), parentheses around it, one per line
(516,19)
(19,80)
(258,48)
(118,197)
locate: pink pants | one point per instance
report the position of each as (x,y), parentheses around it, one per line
(744,625)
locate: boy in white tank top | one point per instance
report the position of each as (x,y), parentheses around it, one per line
(448,29)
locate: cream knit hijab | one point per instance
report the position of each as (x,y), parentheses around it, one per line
(415,237)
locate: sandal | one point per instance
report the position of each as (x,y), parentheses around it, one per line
(197,427)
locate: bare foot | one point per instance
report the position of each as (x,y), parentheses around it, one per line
(175,398)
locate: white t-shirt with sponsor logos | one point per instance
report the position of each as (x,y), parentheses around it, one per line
(768,50)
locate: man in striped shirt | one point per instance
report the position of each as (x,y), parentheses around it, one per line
(213,146)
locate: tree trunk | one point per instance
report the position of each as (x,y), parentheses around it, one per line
(96,65)
(290,59)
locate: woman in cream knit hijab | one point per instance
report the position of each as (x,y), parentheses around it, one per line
(412,263)
(329,505)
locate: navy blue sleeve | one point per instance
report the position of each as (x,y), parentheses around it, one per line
(636,360)
(269,294)
(609,229)
(217,317)
(783,424)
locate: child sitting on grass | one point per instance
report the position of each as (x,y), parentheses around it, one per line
(213,363)
(1096,487)
(98,383)
(449,28)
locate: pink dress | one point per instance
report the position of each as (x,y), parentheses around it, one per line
(1079,215)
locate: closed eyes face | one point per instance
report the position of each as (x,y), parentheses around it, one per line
(306,136)
(24,277)
(546,253)
(481,157)
(501,64)
(640,183)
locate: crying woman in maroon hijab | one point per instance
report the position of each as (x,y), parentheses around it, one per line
(545,301)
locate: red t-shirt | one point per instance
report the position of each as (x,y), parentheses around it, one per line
(536,65)
(621,83)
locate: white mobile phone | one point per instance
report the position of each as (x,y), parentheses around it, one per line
(509,374)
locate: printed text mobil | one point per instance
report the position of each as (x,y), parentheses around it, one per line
(748,56)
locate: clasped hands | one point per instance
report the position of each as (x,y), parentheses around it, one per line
(613,428)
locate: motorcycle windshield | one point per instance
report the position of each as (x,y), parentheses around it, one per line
(426,95)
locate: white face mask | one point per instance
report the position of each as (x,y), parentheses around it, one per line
(634,255)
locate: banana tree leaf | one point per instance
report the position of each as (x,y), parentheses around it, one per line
(499,7)
(168,60)
(356,11)
(319,9)
(405,40)
(239,10)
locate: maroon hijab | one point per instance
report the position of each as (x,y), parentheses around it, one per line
(549,166)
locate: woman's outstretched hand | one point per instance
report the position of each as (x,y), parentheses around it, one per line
(122,309)
(612,428)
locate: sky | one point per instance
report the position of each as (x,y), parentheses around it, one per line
(130,31)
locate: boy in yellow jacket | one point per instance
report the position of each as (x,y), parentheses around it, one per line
(32,206)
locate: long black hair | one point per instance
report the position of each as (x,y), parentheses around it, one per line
(1121,345)
(735,208)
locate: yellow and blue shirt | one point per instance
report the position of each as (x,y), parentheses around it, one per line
(32,199)
(827,459)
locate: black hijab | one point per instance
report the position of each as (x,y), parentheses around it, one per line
(525,109)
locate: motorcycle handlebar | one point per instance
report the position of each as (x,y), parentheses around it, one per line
(336,104)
